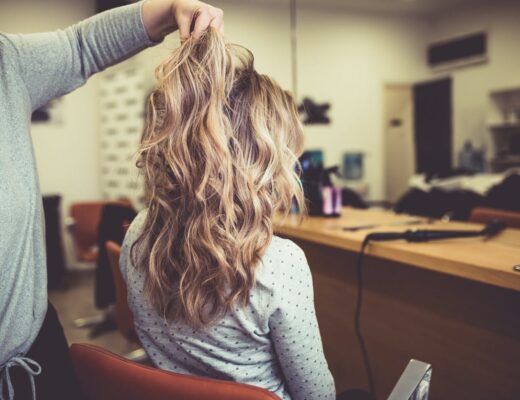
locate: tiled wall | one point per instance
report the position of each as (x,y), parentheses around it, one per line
(122,93)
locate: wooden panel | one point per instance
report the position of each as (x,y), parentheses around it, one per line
(468,331)
(476,259)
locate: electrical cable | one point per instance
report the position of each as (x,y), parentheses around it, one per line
(357,318)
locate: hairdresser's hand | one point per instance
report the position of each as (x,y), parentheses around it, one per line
(195,17)
(190,17)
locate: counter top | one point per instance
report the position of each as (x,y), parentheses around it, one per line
(490,261)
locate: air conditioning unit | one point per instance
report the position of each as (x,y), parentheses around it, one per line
(458,52)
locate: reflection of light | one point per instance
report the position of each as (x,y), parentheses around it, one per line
(305,164)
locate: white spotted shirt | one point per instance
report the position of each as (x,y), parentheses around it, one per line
(274,343)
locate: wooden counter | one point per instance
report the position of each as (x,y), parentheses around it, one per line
(454,303)
(490,261)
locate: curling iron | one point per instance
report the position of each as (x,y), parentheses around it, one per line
(425,235)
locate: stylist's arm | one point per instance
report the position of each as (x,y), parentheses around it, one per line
(53,64)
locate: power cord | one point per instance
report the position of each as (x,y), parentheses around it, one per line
(357,317)
(492,229)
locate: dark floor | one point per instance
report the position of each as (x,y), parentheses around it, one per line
(78,301)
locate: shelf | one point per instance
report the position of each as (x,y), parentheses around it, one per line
(499,165)
(505,91)
(510,159)
(512,127)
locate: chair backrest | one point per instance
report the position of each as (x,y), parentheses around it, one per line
(106,376)
(124,317)
(86,216)
(484,215)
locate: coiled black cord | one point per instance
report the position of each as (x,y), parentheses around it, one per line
(357,318)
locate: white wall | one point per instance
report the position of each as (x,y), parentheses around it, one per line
(345,58)
(471,85)
(262,28)
(265,30)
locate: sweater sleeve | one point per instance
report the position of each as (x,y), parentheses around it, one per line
(295,332)
(55,63)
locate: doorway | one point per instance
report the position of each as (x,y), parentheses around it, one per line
(398,139)
(433,126)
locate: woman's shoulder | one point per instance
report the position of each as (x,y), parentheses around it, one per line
(284,260)
(282,248)
(133,232)
(285,275)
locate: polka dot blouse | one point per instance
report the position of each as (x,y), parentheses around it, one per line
(273,343)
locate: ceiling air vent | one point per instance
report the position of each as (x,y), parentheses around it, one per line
(458,52)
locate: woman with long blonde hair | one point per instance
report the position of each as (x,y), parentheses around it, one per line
(214,293)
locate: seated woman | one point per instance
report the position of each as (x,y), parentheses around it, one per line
(214,293)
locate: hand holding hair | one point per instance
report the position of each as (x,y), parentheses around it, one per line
(190,17)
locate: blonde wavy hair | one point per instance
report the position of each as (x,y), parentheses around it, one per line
(219,157)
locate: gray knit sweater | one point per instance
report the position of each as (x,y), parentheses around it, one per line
(273,343)
(34,69)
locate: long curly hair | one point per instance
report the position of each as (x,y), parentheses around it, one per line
(219,157)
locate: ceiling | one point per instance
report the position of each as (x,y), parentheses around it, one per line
(418,7)
(395,7)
